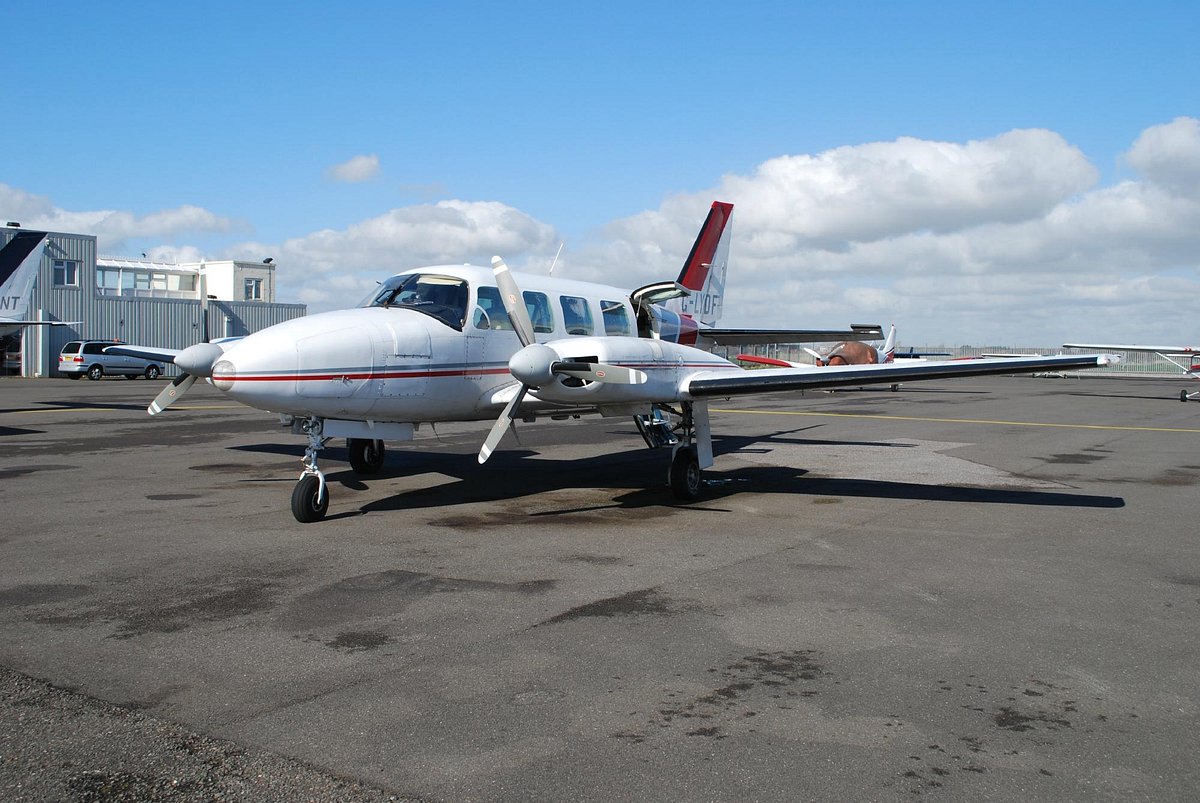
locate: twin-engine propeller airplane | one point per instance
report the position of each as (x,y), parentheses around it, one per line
(1172,354)
(465,343)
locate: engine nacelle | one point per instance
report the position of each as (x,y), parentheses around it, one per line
(665,364)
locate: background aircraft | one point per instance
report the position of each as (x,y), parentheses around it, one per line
(1172,354)
(465,343)
(20,259)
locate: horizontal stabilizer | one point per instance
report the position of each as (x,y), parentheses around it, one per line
(753,337)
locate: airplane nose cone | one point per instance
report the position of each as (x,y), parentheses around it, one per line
(198,360)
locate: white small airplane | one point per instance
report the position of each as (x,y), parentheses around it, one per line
(19,261)
(846,352)
(465,343)
(1172,354)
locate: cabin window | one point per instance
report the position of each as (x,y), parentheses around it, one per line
(538,305)
(440,297)
(577,315)
(252,289)
(616,318)
(494,315)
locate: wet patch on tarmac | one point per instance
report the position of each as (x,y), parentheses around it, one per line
(645,602)
(1077,459)
(20,471)
(358,640)
(169,609)
(752,685)
(24,596)
(1183,579)
(1176,478)
(386,593)
(594,560)
(1017,732)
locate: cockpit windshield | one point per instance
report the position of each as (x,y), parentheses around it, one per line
(441,297)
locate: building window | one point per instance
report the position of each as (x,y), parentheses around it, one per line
(66,273)
(253,289)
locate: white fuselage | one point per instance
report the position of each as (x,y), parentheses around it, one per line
(392,363)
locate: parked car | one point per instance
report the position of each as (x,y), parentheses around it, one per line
(87,358)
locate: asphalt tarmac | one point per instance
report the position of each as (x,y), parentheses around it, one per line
(974,589)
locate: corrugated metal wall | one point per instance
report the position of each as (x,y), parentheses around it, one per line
(163,322)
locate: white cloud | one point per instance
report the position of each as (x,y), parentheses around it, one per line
(321,267)
(355,170)
(1001,241)
(1169,155)
(112,228)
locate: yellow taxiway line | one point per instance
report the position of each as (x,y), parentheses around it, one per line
(958,420)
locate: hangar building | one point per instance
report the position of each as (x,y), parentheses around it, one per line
(137,301)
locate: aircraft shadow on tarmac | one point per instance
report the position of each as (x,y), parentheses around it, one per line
(521,472)
(1159,397)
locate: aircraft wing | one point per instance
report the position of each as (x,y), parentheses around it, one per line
(152,353)
(15,322)
(1180,350)
(733,383)
(750,337)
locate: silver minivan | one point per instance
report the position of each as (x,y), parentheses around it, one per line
(87,358)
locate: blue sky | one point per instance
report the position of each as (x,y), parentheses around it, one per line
(216,128)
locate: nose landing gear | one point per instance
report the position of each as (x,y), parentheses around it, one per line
(310,497)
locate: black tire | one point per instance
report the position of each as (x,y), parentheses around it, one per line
(1183,395)
(95,373)
(366,456)
(306,507)
(152,372)
(686,481)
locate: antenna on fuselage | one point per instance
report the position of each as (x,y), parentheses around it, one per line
(556,256)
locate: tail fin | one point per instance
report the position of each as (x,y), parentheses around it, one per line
(19,261)
(703,273)
(889,346)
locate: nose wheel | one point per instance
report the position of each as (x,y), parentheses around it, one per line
(310,497)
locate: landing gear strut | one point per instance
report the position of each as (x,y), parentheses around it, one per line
(692,453)
(310,498)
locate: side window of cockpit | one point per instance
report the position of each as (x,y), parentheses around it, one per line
(489,311)
(538,305)
(577,315)
(616,318)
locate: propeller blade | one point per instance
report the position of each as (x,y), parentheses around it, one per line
(514,302)
(500,428)
(600,372)
(171,393)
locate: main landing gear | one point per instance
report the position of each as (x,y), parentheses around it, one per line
(690,441)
